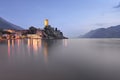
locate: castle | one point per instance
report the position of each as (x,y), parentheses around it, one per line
(52,33)
(47,33)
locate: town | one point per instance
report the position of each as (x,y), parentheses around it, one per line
(34,33)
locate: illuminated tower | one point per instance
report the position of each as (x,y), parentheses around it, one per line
(46,23)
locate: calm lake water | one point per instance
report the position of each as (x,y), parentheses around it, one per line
(68,59)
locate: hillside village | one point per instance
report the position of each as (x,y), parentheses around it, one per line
(47,33)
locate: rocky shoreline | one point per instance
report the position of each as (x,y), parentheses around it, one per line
(47,33)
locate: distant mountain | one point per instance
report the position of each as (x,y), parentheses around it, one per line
(7,25)
(111,32)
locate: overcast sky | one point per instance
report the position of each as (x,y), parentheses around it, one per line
(73,17)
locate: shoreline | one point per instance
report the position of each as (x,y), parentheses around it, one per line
(30,38)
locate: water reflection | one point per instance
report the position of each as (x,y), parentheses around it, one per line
(18,42)
(83,58)
(65,42)
(45,52)
(9,49)
(33,47)
(13,43)
(34,44)
(51,45)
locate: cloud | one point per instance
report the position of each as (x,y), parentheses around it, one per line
(117,6)
(99,24)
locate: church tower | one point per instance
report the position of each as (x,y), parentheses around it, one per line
(46,23)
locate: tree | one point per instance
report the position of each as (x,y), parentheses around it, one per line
(32,30)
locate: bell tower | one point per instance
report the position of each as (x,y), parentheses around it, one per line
(46,23)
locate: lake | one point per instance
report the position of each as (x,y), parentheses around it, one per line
(67,59)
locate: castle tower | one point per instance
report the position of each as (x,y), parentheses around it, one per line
(46,22)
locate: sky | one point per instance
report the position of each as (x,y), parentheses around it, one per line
(72,17)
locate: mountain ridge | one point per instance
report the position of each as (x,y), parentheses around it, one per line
(4,24)
(110,32)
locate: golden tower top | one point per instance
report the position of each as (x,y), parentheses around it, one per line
(46,22)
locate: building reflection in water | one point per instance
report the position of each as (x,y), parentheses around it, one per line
(35,45)
(18,47)
(9,49)
(18,42)
(29,44)
(49,44)
(13,43)
(45,51)
(65,42)
(13,46)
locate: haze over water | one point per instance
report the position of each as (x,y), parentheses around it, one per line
(67,59)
